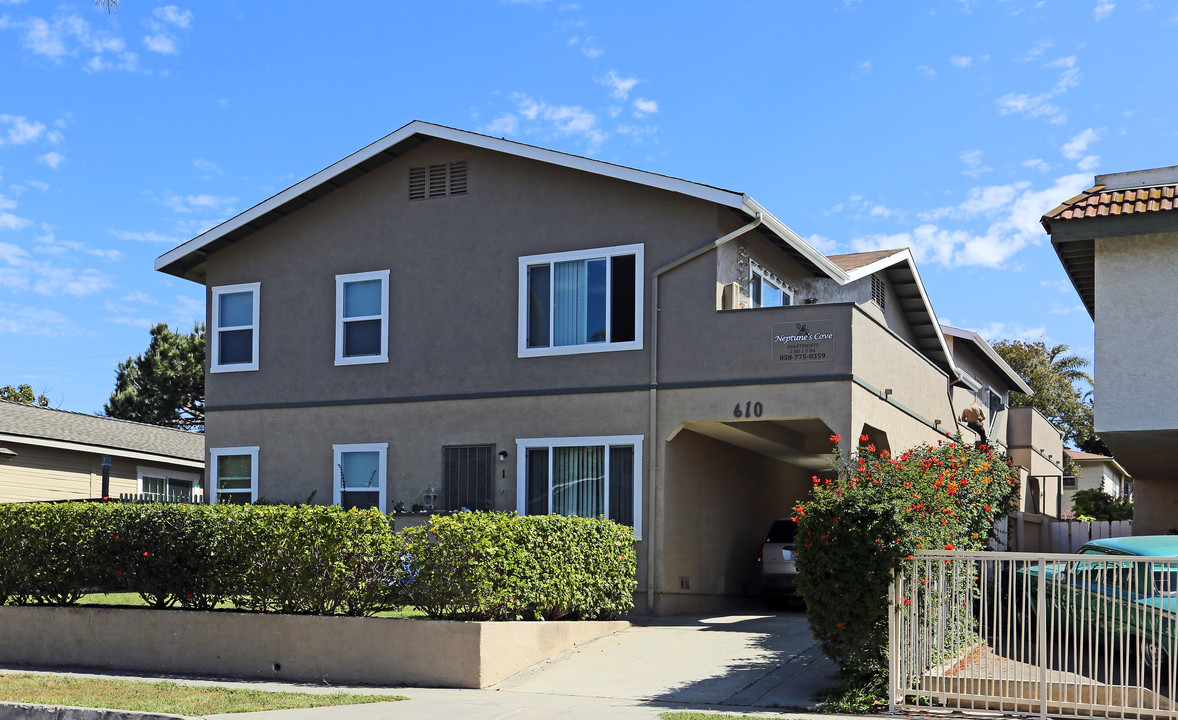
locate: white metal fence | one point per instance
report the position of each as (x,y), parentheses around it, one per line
(1066,635)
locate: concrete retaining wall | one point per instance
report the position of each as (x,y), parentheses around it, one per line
(299,648)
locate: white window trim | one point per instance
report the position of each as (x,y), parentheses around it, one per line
(157,472)
(382,470)
(639,277)
(215,340)
(521,467)
(756,268)
(340,281)
(214,453)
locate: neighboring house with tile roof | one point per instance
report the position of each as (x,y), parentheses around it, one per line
(1097,472)
(1118,242)
(460,321)
(48,454)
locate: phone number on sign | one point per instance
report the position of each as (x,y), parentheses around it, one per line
(802,356)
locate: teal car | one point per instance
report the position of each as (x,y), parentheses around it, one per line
(1113,595)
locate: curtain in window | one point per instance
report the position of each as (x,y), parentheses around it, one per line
(579,294)
(578,481)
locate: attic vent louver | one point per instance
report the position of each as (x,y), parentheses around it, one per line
(435,181)
(878,293)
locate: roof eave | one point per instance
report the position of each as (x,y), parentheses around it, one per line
(186,260)
(991,355)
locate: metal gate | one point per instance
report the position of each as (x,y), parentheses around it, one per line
(1067,635)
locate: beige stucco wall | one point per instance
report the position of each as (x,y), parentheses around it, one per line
(1036,445)
(288,648)
(1136,336)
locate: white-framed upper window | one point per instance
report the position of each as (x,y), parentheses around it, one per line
(169,483)
(766,289)
(581,476)
(235,328)
(581,301)
(234,472)
(360,475)
(362,318)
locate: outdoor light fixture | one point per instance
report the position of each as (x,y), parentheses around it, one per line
(887,392)
(937,423)
(6,454)
(502,455)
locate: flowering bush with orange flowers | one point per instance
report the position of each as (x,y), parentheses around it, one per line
(874,511)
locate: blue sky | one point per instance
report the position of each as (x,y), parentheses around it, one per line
(947,125)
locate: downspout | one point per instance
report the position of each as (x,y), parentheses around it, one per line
(656,447)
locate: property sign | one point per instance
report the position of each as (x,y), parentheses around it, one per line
(803,341)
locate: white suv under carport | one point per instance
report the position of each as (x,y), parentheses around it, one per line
(776,557)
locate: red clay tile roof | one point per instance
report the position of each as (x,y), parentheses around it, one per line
(850,261)
(1096,201)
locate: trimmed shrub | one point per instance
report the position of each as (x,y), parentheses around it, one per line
(499,566)
(314,559)
(48,551)
(860,526)
(317,560)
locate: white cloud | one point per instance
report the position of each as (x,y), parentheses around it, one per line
(8,221)
(1037,49)
(503,126)
(972,160)
(642,106)
(927,71)
(48,244)
(207,168)
(1103,9)
(160,43)
(1037,164)
(996,331)
(823,244)
(1088,163)
(20,130)
(1075,148)
(537,116)
(173,15)
(140,297)
(1061,285)
(195,203)
(53,159)
(1040,105)
(1062,62)
(1013,211)
(71,36)
(961,61)
(621,86)
(863,66)
(590,48)
(25,320)
(19,271)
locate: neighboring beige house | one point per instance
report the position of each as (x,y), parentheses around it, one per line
(1118,242)
(1037,446)
(460,321)
(1097,472)
(48,454)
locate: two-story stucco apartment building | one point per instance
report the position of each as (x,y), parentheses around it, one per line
(1118,241)
(460,321)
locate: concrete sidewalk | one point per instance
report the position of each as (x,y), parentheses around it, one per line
(754,663)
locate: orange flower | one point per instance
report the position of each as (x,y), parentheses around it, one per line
(948,546)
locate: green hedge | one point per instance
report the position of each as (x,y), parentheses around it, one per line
(498,566)
(316,559)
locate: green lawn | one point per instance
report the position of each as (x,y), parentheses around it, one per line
(133,600)
(162,697)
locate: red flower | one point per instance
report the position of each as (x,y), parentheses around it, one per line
(144,553)
(116,537)
(862,438)
(948,546)
(836,438)
(986,508)
(189,596)
(119,573)
(840,624)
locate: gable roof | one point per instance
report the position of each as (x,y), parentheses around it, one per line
(900,268)
(1118,204)
(1093,458)
(992,358)
(188,260)
(47,427)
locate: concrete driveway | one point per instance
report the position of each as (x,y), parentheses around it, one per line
(762,660)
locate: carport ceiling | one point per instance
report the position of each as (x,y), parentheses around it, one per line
(804,442)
